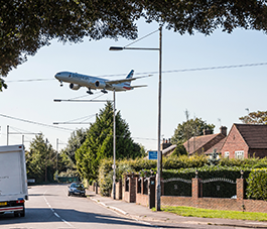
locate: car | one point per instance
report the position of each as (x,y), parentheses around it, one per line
(76,189)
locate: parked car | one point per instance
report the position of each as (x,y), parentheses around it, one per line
(76,189)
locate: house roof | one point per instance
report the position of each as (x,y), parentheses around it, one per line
(255,135)
(217,146)
(196,143)
(168,149)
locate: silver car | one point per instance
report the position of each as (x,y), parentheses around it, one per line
(76,189)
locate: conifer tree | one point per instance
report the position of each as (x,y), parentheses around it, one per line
(99,143)
(40,160)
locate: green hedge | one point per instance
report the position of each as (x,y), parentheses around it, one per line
(257,184)
(245,163)
(184,167)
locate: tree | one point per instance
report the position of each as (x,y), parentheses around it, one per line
(40,160)
(179,151)
(26,26)
(190,128)
(68,154)
(99,143)
(259,117)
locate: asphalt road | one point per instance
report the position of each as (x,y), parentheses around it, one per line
(49,207)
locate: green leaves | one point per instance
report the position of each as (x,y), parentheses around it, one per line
(259,117)
(190,128)
(99,143)
(257,184)
(41,160)
(26,26)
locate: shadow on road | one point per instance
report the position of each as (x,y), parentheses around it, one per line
(38,215)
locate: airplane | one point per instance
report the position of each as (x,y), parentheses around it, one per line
(93,83)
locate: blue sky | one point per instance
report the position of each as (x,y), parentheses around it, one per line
(211,95)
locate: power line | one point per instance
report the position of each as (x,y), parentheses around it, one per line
(168,71)
(37,123)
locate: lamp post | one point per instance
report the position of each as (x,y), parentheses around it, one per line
(114,147)
(114,48)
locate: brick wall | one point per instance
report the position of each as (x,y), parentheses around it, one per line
(216,203)
(234,142)
(91,188)
(141,198)
(118,194)
(130,195)
(238,204)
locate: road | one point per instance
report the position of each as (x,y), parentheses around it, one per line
(49,207)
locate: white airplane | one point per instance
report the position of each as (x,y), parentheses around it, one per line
(77,80)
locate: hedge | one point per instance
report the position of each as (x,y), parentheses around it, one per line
(257,184)
(185,167)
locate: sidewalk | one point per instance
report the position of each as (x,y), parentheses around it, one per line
(138,212)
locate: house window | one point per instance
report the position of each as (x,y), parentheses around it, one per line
(226,154)
(239,154)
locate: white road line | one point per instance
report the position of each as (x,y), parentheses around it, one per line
(55,212)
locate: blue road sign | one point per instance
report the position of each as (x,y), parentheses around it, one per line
(152,155)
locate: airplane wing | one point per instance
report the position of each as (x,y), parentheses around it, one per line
(124,80)
(138,86)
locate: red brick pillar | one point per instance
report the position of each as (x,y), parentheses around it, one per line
(196,188)
(240,189)
(132,188)
(142,185)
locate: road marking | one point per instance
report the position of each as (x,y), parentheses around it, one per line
(57,215)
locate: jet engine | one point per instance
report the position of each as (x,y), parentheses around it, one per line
(74,86)
(100,84)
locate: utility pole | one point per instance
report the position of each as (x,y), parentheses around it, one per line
(114,147)
(7,131)
(57,160)
(159,124)
(46,143)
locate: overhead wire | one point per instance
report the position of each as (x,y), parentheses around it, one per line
(37,123)
(166,72)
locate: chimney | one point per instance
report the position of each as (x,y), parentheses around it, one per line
(223,130)
(165,144)
(206,131)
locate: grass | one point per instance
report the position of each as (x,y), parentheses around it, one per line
(207,213)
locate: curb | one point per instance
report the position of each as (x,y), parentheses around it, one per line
(138,218)
(106,206)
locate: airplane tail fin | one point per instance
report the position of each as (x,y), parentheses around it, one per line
(130,75)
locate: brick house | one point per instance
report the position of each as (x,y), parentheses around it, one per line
(246,140)
(206,143)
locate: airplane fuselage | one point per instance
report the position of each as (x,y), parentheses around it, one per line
(78,80)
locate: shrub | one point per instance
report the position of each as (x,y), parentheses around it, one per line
(257,184)
(106,174)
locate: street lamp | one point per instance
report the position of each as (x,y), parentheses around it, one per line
(115,48)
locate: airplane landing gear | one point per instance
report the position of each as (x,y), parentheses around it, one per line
(104,91)
(61,84)
(90,92)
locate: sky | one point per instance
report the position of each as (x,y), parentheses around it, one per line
(217,96)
